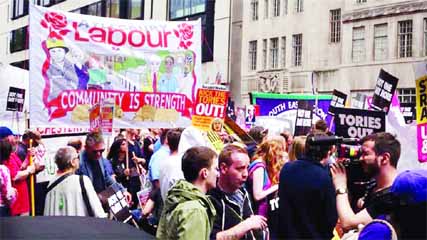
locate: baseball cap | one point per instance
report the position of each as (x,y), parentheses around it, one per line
(258,133)
(377,229)
(5,132)
(410,186)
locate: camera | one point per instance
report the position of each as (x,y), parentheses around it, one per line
(347,148)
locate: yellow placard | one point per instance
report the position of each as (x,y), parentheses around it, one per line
(421,101)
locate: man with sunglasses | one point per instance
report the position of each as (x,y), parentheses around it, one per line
(93,164)
(380,154)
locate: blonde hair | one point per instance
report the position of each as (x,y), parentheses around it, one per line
(271,153)
(297,148)
(217,120)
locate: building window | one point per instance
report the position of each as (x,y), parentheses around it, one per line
(264,54)
(47,3)
(285,6)
(406,95)
(283,52)
(380,41)
(19,8)
(113,8)
(361,1)
(274,53)
(335,21)
(276,8)
(180,8)
(18,40)
(252,55)
(94,9)
(22,64)
(405,38)
(136,9)
(296,49)
(425,36)
(265,9)
(299,5)
(254,10)
(358,50)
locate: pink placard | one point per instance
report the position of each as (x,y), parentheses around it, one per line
(422,142)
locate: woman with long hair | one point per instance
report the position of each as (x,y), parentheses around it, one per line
(264,172)
(128,176)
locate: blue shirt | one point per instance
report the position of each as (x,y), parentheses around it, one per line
(155,162)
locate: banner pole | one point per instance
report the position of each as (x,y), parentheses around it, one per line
(33,209)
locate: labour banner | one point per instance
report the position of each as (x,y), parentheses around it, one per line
(357,123)
(421,105)
(338,100)
(304,118)
(15,99)
(151,69)
(384,90)
(210,104)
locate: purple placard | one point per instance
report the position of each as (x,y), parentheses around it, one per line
(275,107)
(422,142)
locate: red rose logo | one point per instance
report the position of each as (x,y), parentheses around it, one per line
(55,21)
(184,33)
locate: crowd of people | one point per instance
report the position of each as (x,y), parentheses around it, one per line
(276,187)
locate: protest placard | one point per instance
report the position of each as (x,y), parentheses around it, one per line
(304,118)
(384,90)
(338,100)
(357,123)
(359,101)
(210,104)
(408,111)
(421,112)
(15,99)
(152,69)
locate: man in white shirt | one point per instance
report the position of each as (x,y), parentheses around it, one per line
(170,169)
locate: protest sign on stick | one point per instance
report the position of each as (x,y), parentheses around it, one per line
(15,99)
(304,118)
(338,100)
(358,123)
(384,90)
(210,104)
(421,105)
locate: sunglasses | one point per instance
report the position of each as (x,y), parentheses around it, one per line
(98,151)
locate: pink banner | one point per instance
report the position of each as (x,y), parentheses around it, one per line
(422,142)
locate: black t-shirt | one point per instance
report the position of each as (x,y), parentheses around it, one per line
(379,203)
(98,177)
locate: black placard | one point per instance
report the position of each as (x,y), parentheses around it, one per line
(408,112)
(357,123)
(338,100)
(15,99)
(359,101)
(304,118)
(384,90)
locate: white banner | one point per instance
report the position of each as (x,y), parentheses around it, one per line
(151,68)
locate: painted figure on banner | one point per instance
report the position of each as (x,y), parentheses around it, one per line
(168,81)
(97,72)
(154,63)
(61,72)
(187,82)
(80,67)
